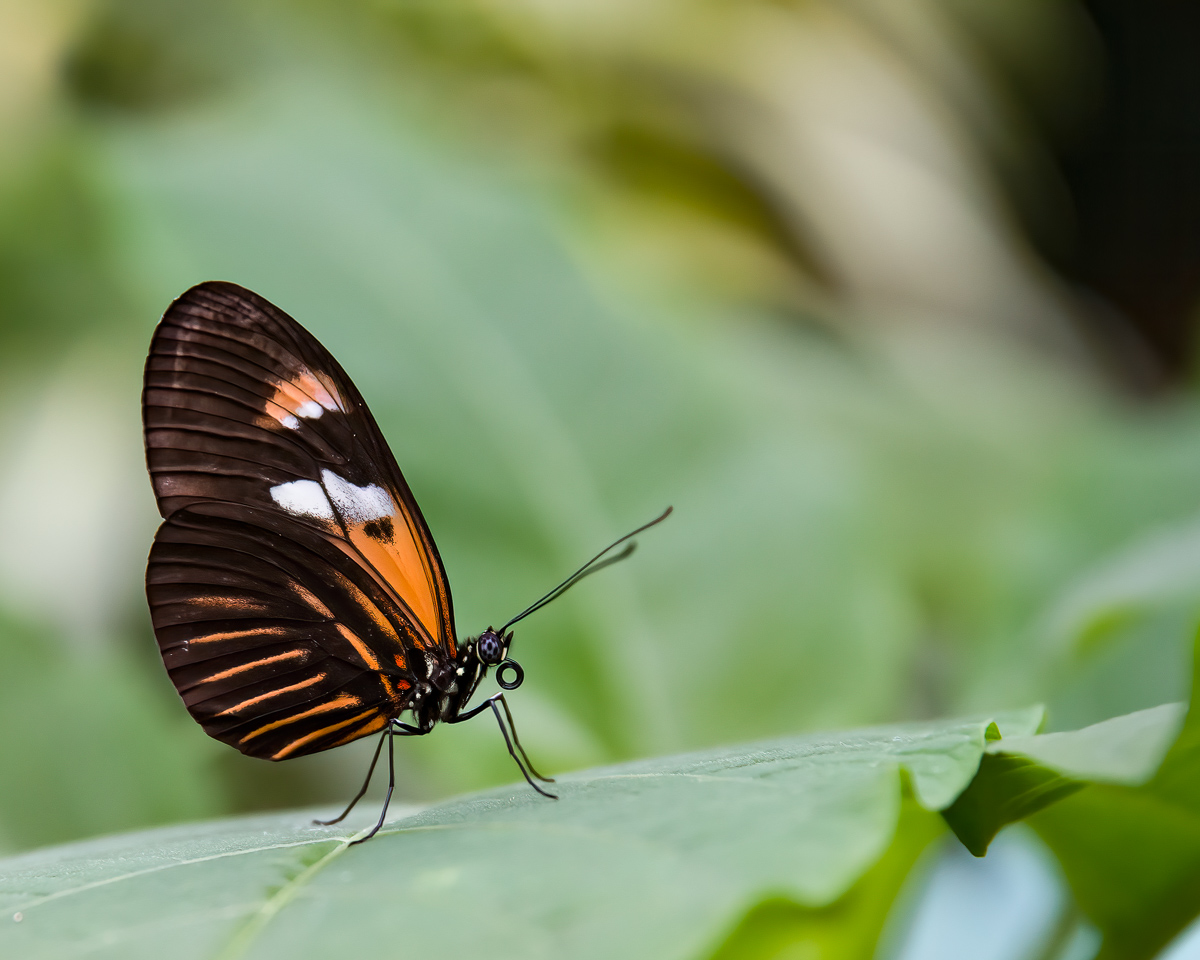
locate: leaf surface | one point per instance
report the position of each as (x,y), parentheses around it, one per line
(649,859)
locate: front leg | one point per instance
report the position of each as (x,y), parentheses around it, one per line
(490,703)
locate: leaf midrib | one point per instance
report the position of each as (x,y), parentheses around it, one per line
(243,938)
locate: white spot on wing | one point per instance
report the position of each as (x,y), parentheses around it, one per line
(291,423)
(303,498)
(357,504)
(310,410)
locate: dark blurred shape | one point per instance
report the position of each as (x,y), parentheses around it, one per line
(1135,179)
(138,56)
(660,164)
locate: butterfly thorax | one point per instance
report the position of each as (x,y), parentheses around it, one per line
(450,683)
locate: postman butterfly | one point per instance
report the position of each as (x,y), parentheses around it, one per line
(297,595)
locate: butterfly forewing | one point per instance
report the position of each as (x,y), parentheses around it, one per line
(294,583)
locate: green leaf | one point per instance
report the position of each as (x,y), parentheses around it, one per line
(1132,860)
(1131,854)
(651,859)
(848,927)
(1127,749)
(1005,790)
(1125,628)
(1020,775)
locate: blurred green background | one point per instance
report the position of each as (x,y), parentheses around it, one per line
(893,300)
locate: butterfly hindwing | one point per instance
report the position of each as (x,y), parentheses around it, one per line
(280,645)
(294,583)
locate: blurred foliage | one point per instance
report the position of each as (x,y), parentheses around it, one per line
(774,263)
(781,151)
(1132,853)
(154,776)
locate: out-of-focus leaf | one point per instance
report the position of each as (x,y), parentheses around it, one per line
(1005,790)
(1132,853)
(116,764)
(139,56)
(1125,750)
(1123,630)
(650,859)
(851,926)
(1158,568)
(56,282)
(1135,660)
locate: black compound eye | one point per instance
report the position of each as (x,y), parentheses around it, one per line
(491,651)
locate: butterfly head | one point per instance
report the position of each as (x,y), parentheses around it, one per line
(490,649)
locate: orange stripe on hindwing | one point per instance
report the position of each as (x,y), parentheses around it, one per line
(369,727)
(364,651)
(339,702)
(253,665)
(239,634)
(308,682)
(316,734)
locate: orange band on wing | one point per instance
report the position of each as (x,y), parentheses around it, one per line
(337,703)
(371,726)
(241,604)
(367,604)
(315,678)
(392,551)
(241,634)
(364,651)
(253,665)
(310,737)
(310,598)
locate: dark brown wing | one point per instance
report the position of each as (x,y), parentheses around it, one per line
(294,583)
(279,642)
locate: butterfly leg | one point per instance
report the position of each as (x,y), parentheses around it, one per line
(490,702)
(358,796)
(517,740)
(391,786)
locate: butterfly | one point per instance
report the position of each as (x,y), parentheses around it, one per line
(297,595)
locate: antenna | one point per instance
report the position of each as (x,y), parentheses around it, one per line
(596,563)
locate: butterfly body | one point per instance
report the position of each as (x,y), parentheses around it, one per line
(448,685)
